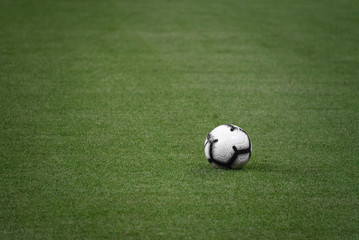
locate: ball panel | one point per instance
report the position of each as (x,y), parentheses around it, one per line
(241,160)
(243,143)
(220,151)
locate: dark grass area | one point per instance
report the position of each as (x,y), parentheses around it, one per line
(105,107)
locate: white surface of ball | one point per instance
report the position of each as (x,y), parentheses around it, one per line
(228,146)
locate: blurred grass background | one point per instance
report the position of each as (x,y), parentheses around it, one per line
(105,107)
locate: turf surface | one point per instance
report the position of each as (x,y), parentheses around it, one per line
(105,107)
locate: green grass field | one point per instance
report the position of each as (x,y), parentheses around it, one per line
(105,106)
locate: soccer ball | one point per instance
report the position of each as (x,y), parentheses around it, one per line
(227,146)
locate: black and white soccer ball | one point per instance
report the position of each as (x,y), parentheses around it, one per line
(228,146)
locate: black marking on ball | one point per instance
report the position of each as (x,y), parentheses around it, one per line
(236,154)
(232,127)
(211,148)
(249,143)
